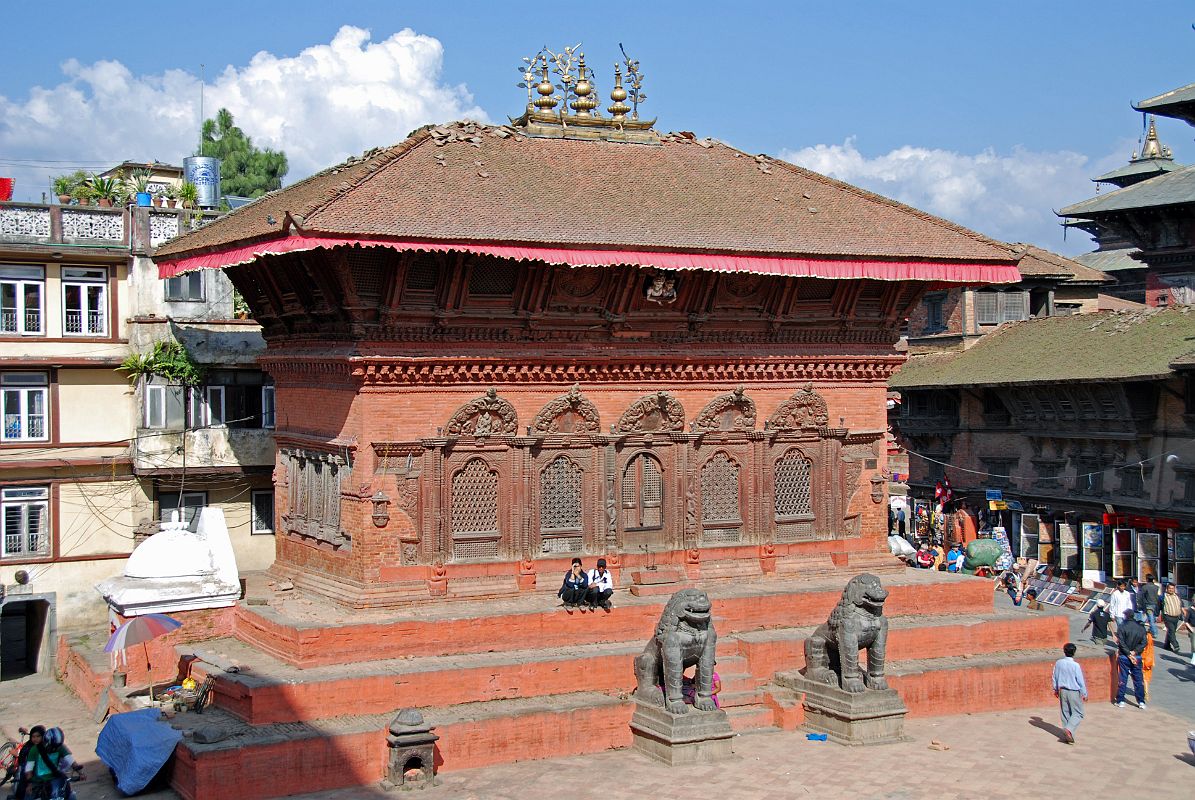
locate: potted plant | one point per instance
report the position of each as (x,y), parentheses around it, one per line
(138,185)
(105,190)
(188,193)
(171,195)
(63,188)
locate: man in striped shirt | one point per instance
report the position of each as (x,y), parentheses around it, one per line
(1071,690)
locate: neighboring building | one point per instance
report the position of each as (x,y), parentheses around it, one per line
(85,458)
(1073,419)
(955,318)
(496,348)
(1145,229)
(161,176)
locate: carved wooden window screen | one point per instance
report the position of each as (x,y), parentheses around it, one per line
(720,490)
(642,493)
(475,499)
(560,496)
(421,276)
(793,473)
(489,277)
(314,491)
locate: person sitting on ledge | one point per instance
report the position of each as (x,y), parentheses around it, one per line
(688,687)
(601,587)
(572,591)
(925,556)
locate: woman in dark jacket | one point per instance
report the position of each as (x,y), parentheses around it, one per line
(576,583)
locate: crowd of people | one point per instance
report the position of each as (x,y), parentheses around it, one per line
(587,590)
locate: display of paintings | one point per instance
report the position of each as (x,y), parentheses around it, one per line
(1093,560)
(1001,537)
(1045,531)
(1183,591)
(1045,552)
(1093,534)
(1122,540)
(1089,606)
(1066,534)
(1184,547)
(1147,567)
(1123,564)
(1148,545)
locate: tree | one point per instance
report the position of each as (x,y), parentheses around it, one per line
(245,170)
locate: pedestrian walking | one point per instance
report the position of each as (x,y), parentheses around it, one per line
(1071,690)
(1130,644)
(1120,602)
(1147,605)
(1172,615)
(1098,621)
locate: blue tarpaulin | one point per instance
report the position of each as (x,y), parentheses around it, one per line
(135,745)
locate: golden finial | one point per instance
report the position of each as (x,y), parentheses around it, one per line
(584,104)
(618,95)
(545,102)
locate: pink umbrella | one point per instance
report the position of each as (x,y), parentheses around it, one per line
(140,630)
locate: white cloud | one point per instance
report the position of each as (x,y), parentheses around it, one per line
(1008,197)
(329,101)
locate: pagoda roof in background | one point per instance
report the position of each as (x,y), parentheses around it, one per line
(1098,346)
(503,191)
(1154,159)
(1111,260)
(1168,189)
(1177,103)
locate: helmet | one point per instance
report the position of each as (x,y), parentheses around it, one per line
(54,737)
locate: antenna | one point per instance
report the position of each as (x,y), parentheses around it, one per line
(200,148)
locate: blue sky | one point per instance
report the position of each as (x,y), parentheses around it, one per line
(987,113)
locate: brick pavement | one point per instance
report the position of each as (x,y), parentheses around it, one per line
(996,755)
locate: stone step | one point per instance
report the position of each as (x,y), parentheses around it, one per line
(739,569)
(735,699)
(744,718)
(657,589)
(488,586)
(807,566)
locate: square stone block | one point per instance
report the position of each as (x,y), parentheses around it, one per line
(694,738)
(871,717)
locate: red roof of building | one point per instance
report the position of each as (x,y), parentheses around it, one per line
(707,204)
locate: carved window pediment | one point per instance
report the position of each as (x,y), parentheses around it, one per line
(805,410)
(488,415)
(569,413)
(733,411)
(658,411)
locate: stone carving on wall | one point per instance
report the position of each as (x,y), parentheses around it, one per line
(858,621)
(805,410)
(658,411)
(733,411)
(684,637)
(569,413)
(488,415)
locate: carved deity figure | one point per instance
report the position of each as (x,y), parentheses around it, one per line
(662,289)
(684,637)
(832,652)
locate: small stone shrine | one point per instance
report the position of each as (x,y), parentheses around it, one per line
(412,748)
(664,726)
(850,703)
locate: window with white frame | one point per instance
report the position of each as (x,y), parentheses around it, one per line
(263,512)
(267,407)
(207,406)
(993,307)
(185,288)
(22,300)
(188,506)
(26,514)
(84,301)
(25,398)
(232,398)
(164,406)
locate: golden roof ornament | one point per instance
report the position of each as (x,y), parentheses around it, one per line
(1152,147)
(567,101)
(618,94)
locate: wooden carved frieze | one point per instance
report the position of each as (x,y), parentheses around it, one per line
(658,411)
(805,410)
(733,411)
(569,413)
(488,415)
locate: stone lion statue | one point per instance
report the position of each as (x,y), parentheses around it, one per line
(832,652)
(684,637)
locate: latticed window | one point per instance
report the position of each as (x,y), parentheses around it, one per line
(475,499)
(642,493)
(792,486)
(560,496)
(490,277)
(720,490)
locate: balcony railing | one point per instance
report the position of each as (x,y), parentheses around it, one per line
(74,322)
(137,227)
(9,317)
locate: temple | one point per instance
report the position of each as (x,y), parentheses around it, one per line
(496,347)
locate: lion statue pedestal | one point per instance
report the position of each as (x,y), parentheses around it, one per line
(664,726)
(850,703)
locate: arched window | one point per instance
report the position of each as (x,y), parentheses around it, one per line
(793,473)
(475,511)
(560,496)
(720,490)
(643,493)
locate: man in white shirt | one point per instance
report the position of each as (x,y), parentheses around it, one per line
(601,587)
(1121,603)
